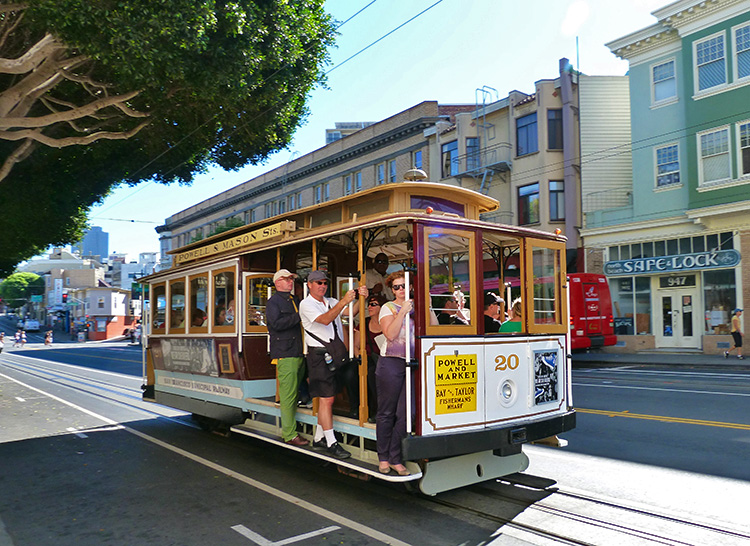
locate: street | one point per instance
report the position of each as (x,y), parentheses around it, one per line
(98,465)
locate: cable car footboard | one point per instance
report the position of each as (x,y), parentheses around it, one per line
(480,399)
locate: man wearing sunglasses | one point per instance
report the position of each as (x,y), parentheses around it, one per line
(321,316)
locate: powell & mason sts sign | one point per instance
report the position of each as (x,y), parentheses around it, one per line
(682,262)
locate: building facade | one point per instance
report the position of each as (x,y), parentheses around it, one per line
(379,153)
(673,252)
(94,243)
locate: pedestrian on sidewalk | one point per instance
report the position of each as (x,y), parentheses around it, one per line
(736,334)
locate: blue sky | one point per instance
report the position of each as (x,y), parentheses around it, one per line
(445,54)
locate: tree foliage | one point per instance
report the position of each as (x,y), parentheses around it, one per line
(97,93)
(17,289)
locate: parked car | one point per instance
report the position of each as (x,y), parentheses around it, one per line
(31,325)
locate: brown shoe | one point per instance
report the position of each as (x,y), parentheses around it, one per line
(298,441)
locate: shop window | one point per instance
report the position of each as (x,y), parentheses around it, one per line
(648,249)
(625,252)
(726,240)
(712,242)
(699,244)
(224,296)
(685,246)
(198,308)
(720,296)
(622,305)
(643,305)
(614,253)
(635,251)
(660,248)
(177,307)
(672,248)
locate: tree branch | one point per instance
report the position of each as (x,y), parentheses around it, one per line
(77,113)
(37,136)
(18,155)
(32,58)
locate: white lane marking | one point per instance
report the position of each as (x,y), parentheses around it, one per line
(75,431)
(20,399)
(633,371)
(262,541)
(337,518)
(687,391)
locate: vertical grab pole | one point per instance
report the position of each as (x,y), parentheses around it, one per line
(351,321)
(268,297)
(407,350)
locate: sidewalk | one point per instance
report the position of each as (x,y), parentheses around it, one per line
(596,359)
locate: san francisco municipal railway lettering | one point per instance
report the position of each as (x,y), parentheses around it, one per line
(455,383)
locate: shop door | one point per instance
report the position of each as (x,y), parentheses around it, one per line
(677,319)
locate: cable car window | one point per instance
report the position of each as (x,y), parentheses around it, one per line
(224,301)
(421,202)
(258,289)
(177,307)
(544,273)
(159,310)
(198,308)
(450,271)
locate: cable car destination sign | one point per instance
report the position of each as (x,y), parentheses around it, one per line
(237,242)
(683,262)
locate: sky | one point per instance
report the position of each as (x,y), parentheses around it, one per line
(447,52)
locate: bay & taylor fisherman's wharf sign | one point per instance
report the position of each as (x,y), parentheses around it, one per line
(717,259)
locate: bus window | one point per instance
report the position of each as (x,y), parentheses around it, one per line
(198,309)
(258,288)
(224,306)
(159,313)
(177,307)
(544,303)
(450,260)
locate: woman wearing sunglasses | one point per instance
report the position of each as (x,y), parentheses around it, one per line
(390,377)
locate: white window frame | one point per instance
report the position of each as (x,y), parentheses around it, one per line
(735,75)
(738,127)
(416,154)
(656,167)
(380,174)
(669,100)
(392,174)
(696,80)
(701,182)
(357,181)
(348,184)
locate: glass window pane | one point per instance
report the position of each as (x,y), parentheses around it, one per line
(625,252)
(720,295)
(177,305)
(623,305)
(685,247)
(635,251)
(449,277)
(159,301)
(199,302)
(258,290)
(643,305)
(712,242)
(545,267)
(660,248)
(699,244)
(727,240)
(648,250)
(614,253)
(224,304)
(672,248)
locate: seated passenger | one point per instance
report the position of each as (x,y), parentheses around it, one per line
(514,323)
(452,313)
(220,316)
(492,309)
(198,317)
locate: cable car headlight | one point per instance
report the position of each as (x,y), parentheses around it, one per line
(507,393)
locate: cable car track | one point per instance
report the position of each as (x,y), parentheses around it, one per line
(569,517)
(108,391)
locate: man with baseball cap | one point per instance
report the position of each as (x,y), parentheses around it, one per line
(285,332)
(321,316)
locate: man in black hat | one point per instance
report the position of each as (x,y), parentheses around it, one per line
(494,306)
(321,316)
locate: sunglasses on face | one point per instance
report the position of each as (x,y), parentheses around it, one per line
(321,282)
(399,286)
(381,261)
(374,304)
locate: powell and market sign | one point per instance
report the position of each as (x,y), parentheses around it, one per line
(667,264)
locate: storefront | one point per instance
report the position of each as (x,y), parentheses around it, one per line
(675,293)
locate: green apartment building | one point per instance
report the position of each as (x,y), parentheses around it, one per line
(673,251)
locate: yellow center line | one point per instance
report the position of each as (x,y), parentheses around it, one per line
(665,419)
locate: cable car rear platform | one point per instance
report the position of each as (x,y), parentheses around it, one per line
(352,464)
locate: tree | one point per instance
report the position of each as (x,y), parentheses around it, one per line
(108,92)
(17,289)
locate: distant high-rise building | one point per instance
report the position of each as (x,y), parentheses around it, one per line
(94,243)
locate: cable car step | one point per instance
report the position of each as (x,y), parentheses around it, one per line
(351,463)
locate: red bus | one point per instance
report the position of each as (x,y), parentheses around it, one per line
(591,318)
